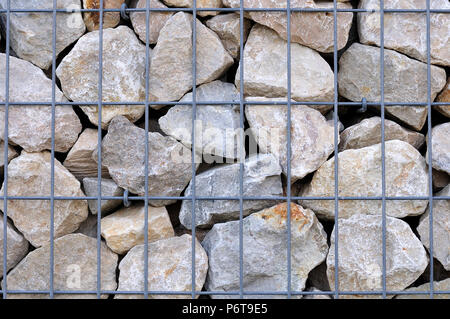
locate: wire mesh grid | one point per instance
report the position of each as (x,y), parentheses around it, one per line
(241,293)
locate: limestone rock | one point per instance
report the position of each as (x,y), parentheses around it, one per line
(312,29)
(368,132)
(30,125)
(318,296)
(227,27)
(109,188)
(440,179)
(75,268)
(110,19)
(360,175)
(156,21)
(312,138)
(405,32)
(123,153)
(29,175)
(173,55)
(405,80)
(12,153)
(265,251)
(443,285)
(123,74)
(125,228)
(440,147)
(31,33)
(444,96)
(169,268)
(360,255)
(441,228)
(89,226)
(330,119)
(265,69)
(79,161)
(200,4)
(217,126)
(261,178)
(17,246)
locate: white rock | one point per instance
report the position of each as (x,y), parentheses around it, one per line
(440,147)
(443,285)
(109,188)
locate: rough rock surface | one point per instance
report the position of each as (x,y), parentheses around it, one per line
(441,228)
(406,32)
(169,162)
(405,80)
(227,27)
(30,126)
(265,250)
(440,147)
(75,268)
(440,179)
(109,188)
(169,268)
(261,177)
(110,19)
(29,175)
(12,153)
(360,175)
(125,228)
(173,55)
(314,30)
(265,69)
(200,4)
(312,138)
(123,74)
(30,33)
(17,246)
(444,96)
(318,296)
(217,126)
(89,226)
(360,255)
(79,160)
(368,132)
(156,22)
(443,285)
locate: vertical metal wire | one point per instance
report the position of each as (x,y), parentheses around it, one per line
(288,146)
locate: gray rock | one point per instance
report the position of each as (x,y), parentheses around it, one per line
(89,226)
(405,80)
(440,147)
(110,19)
(443,285)
(360,255)
(440,179)
(261,177)
(265,251)
(109,188)
(330,119)
(318,296)
(200,4)
(31,33)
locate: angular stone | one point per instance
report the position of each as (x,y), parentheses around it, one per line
(368,132)
(29,175)
(330,119)
(444,96)
(261,177)
(17,246)
(156,22)
(318,296)
(123,153)
(217,126)
(312,138)
(405,81)
(79,161)
(75,269)
(443,285)
(123,74)
(31,33)
(265,251)
(360,175)
(30,125)
(169,268)
(312,29)
(125,228)
(173,55)
(405,32)
(89,226)
(12,153)
(109,188)
(227,27)
(361,258)
(441,228)
(265,69)
(200,4)
(110,19)
(440,147)
(440,179)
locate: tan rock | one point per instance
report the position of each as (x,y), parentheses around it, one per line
(108,188)
(29,175)
(125,228)
(200,4)
(173,55)
(368,132)
(444,96)
(75,268)
(360,175)
(123,74)
(12,153)
(110,19)
(440,147)
(265,69)
(169,268)
(443,285)
(440,179)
